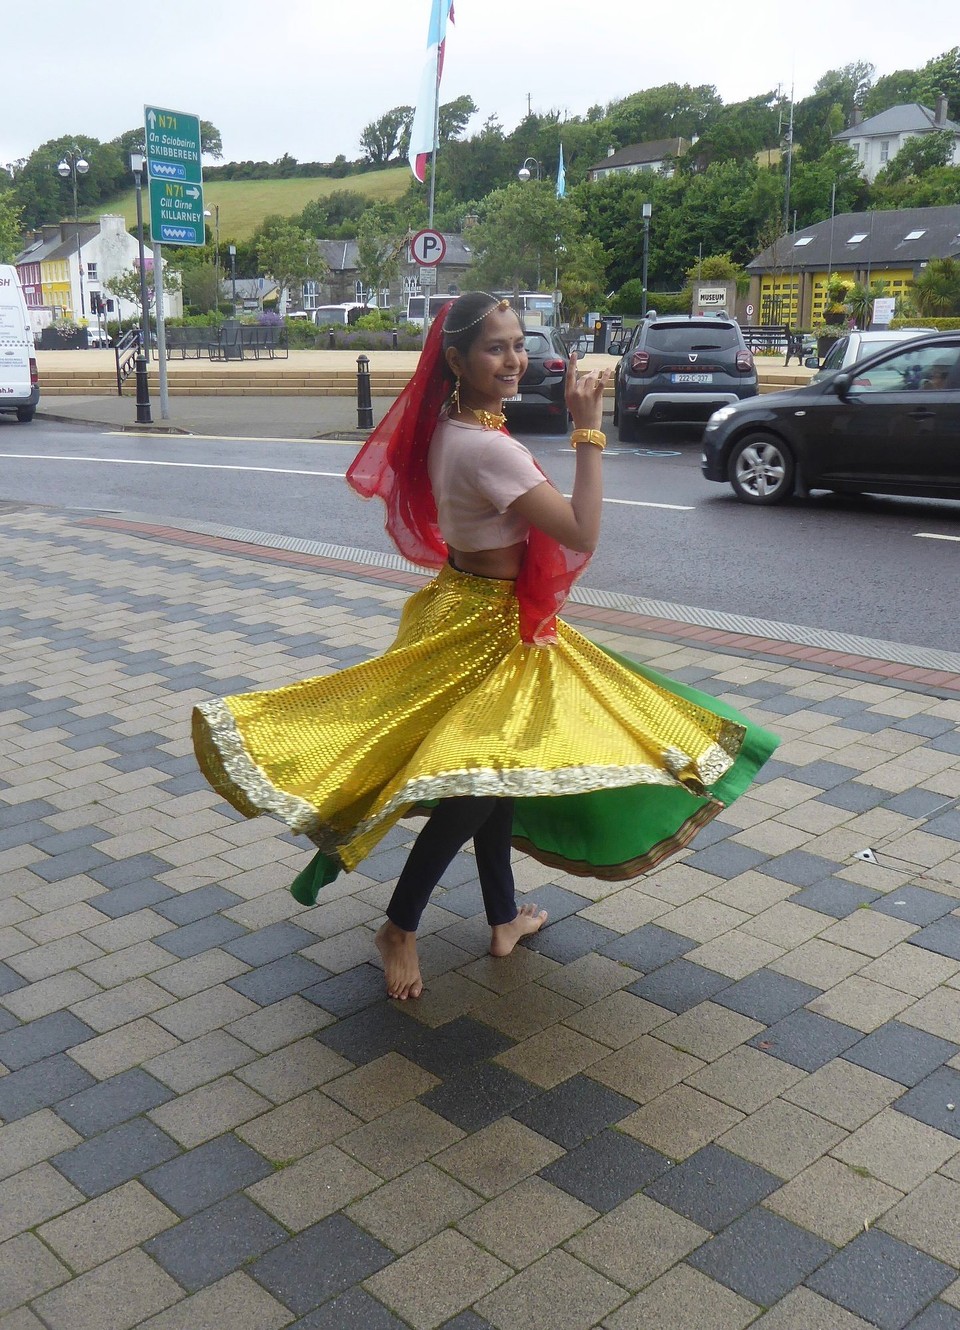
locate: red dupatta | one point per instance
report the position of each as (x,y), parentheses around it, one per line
(392,465)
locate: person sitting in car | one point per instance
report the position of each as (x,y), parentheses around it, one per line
(936,377)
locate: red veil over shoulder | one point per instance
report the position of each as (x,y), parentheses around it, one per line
(392,465)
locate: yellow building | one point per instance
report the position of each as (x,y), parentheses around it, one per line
(788,280)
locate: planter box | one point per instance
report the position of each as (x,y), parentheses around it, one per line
(51,340)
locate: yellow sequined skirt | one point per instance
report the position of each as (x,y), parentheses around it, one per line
(611,765)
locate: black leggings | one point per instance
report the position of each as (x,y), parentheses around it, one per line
(451,824)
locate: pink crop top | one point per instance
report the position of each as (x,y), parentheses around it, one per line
(476,474)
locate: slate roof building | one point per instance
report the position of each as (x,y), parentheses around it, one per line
(656,156)
(343,283)
(878,140)
(788,279)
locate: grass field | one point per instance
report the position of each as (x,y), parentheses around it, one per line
(245,203)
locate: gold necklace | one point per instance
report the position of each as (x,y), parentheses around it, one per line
(488,419)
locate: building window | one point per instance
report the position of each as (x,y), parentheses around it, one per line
(855,148)
(884,150)
(92,272)
(311,295)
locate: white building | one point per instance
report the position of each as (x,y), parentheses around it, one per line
(878,140)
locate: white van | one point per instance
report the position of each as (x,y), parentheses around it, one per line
(19,382)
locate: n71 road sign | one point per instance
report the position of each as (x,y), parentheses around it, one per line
(174,172)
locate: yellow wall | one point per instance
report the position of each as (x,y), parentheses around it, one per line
(55,284)
(783,288)
(898,281)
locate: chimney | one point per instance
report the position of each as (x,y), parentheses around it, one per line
(611,151)
(857,116)
(940,115)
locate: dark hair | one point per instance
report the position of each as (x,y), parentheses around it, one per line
(465,317)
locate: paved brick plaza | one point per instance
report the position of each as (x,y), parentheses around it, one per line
(729,1087)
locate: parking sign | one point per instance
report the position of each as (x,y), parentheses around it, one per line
(428,248)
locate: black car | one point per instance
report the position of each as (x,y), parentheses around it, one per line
(540,396)
(888,425)
(681,368)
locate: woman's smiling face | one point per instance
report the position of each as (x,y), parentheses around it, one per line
(495,363)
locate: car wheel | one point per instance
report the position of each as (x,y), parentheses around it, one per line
(761,469)
(25,414)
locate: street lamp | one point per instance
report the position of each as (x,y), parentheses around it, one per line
(71,164)
(138,165)
(525,173)
(216,247)
(647,214)
(233,275)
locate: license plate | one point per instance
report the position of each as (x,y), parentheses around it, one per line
(691,378)
(515,398)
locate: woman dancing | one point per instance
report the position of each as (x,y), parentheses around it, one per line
(499,721)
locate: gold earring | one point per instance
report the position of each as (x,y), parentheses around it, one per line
(456,395)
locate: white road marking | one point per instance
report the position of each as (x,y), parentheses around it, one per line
(219,438)
(930,535)
(273,471)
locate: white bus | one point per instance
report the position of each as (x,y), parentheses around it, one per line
(415,308)
(536,308)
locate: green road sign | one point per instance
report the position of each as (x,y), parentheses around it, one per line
(175,176)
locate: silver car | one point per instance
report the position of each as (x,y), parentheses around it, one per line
(856,345)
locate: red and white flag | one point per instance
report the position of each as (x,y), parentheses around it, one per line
(423,128)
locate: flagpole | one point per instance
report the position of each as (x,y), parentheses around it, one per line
(433,155)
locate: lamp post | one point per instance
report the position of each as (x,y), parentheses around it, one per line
(233,276)
(647,214)
(216,247)
(525,173)
(138,165)
(71,164)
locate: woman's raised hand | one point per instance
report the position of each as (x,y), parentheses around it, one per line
(584,394)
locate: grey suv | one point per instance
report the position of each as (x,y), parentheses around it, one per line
(681,368)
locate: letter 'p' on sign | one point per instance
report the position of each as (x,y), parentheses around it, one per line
(428,248)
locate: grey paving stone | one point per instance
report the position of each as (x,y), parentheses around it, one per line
(388,864)
(470,1320)
(938,1316)
(7,1021)
(62,841)
(800,868)
(881,1279)
(70,863)
(942,936)
(766,996)
(786,704)
(729,859)
(355,1308)
(367,1035)
(928,726)
(478,1096)
(773,770)
(207,1174)
(22,833)
(946,743)
(679,985)
(270,943)
(279,979)
(122,1153)
(31,810)
(122,872)
(606,1170)
(824,775)
(713,1187)
(349,992)
(648,947)
(934,1101)
(917,802)
(193,938)
(806,1040)
(178,785)
(113,1101)
(838,706)
(948,824)
(41,1038)
(915,904)
(319,1263)
(209,1245)
(465,900)
(198,904)
(132,897)
(901,1053)
(868,722)
(447,1049)
(39,1085)
(834,896)
(854,797)
(573,1111)
(569,939)
(761,1256)
(10,981)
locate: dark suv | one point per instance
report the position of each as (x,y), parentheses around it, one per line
(681,368)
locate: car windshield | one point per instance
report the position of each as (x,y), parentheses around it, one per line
(714,337)
(536,344)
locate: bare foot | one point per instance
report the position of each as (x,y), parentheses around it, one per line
(400,963)
(504,937)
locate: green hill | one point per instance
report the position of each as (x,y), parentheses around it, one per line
(245,203)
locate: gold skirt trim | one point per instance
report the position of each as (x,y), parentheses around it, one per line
(458,705)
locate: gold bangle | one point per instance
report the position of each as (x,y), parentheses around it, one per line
(594,436)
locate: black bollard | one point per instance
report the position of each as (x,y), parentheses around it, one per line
(395,340)
(143,392)
(364,400)
(331,339)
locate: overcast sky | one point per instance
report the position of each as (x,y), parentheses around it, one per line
(305,76)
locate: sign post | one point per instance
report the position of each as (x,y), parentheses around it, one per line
(175,181)
(427,249)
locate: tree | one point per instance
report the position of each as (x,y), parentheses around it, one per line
(454,116)
(815,180)
(9,227)
(379,250)
(126,285)
(937,290)
(519,233)
(667,111)
(200,292)
(939,187)
(326,216)
(582,279)
(739,131)
(385,139)
(134,140)
(860,300)
(289,255)
(921,153)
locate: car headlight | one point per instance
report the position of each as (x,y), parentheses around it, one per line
(720,416)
